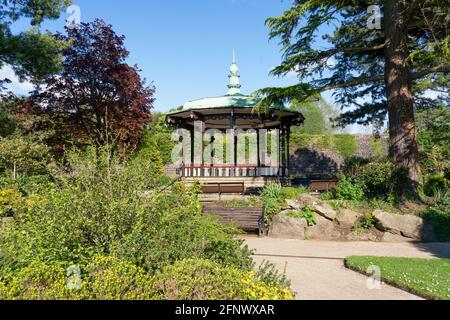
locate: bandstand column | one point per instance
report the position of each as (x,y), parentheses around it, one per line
(199,131)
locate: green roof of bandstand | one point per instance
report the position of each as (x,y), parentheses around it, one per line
(234,102)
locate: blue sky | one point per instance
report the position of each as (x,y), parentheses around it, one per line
(185,46)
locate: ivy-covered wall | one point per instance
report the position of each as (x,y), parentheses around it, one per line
(321,156)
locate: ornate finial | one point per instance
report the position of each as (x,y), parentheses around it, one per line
(234,86)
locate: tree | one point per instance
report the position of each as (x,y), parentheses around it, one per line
(30,53)
(21,155)
(317,114)
(382,67)
(97,98)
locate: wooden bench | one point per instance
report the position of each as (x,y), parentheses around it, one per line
(247,219)
(223,188)
(322,185)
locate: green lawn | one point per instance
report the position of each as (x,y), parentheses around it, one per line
(427,278)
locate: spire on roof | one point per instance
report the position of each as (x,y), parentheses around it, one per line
(234,86)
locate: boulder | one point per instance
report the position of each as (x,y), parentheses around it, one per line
(323,230)
(287,228)
(347,218)
(293,204)
(368,235)
(407,225)
(307,200)
(389,237)
(319,206)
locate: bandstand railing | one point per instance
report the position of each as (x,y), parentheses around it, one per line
(231,171)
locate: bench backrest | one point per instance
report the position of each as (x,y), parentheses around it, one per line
(245,218)
(223,187)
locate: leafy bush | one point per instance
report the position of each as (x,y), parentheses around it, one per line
(436,182)
(345,144)
(269,274)
(28,185)
(381,178)
(346,190)
(122,210)
(22,156)
(273,199)
(11,201)
(194,279)
(440,219)
(293,192)
(365,223)
(307,213)
(104,278)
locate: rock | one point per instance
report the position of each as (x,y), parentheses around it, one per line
(389,237)
(293,204)
(325,210)
(368,235)
(307,200)
(319,206)
(347,218)
(408,226)
(323,230)
(287,228)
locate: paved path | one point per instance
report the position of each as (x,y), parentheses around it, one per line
(317,271)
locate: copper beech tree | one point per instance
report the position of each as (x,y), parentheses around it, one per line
(98,98)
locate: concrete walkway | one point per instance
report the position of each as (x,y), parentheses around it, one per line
(317,271)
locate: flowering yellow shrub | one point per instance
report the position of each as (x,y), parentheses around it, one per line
(195,279)
(12,202)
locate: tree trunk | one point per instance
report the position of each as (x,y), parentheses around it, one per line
(402,128)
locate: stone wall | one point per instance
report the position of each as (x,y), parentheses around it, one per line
(316,162)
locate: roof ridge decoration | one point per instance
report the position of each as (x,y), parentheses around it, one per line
(234,86)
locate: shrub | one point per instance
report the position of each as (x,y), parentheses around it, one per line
(376,178)
(365,223)
(123,210)
(345,144)
(346,190)
(436,182)
(194,279)
(273,199)
(307,213)
(11,202)
(28,185)
(104,278)
(440,219)
(109,278)
(293,192)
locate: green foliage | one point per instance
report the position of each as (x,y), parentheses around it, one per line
(13,203)
(31,53)
(122,210)
(250,202)
(377,149)
(21,156)
(156,143)
(439,217)
(347,190)
(365,223)
(7,125)
(307,213)
(29,185)
(413,274)
(293,193)
(194,279)
(273,199)
(104,278)
(381,178)
(345,144)
(317,112)
(269,274)
(436,182)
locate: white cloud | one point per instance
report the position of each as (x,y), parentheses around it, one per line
(16,86)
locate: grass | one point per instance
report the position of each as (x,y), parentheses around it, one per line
(428,278)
